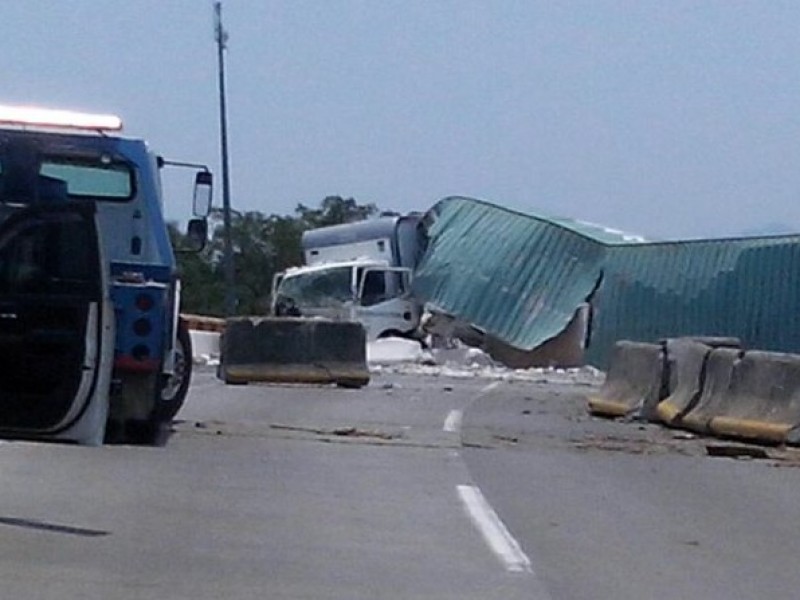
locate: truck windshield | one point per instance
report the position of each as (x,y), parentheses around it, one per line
(318,288)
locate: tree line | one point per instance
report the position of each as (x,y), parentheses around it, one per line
(262,246)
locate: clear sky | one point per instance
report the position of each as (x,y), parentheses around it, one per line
(665,118)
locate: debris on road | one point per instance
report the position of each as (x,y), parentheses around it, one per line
(736,451)
(338,431)
(407,357)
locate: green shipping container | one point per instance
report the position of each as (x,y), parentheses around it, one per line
(521,277)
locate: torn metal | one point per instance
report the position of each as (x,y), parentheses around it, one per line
(537,291)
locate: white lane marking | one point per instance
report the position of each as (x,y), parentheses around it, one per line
(501,542)
(452,424)
(490,387)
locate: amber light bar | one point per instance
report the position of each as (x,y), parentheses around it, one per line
(45,117)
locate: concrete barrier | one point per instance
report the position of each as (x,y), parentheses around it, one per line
(763,399)
(707,386)
(714,397)
(293,350)
(686,360)
(634,384)
(710,340)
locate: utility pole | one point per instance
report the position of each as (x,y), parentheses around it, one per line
(230,291)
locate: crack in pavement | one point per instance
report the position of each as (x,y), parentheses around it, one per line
(52,527)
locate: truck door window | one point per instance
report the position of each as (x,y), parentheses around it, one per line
(374,288)
(22,262)
(399,281)
(45,257)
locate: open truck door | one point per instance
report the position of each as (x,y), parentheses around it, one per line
(56,325)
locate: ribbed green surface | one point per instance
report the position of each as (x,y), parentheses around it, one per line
(748,288)
(521,277)
(512,275)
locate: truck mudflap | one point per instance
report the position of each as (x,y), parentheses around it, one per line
(294,350)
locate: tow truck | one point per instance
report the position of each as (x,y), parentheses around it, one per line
(92,346)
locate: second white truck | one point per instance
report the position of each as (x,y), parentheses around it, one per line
(358,272)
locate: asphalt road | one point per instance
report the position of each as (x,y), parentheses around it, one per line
(414,487)
(626,510)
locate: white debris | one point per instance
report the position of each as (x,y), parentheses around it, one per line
(407,357)
(205,347)
(388,351)
(206,359)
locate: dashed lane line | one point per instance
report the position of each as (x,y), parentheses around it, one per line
(452,424)
(494,532)
(488,388)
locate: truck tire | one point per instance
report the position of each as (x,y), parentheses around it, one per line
(173,393)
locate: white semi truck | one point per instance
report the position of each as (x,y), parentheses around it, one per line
(359,272)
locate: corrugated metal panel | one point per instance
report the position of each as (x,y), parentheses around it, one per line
(521,278)
(748,288)
(517,277)
(598,233)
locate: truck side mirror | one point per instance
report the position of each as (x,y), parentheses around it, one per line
(203,186)
(197,232)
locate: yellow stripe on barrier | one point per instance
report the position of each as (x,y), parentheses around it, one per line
(692,422)
(750,429)
(667,412)
(310,374)
(608,408)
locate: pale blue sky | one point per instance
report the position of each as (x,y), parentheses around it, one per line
(669,119)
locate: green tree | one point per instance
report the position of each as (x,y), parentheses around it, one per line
(252,258)
(334,210)
(202,287)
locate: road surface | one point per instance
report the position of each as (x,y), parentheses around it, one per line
(413,487)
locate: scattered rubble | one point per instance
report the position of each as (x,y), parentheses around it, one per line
(737,451)
(408,357)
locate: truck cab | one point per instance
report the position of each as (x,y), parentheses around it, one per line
(370,292)
(359,272)
(89,290)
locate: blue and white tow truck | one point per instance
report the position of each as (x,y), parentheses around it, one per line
(92,347)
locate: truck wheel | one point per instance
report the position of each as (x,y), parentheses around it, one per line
(175,388)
